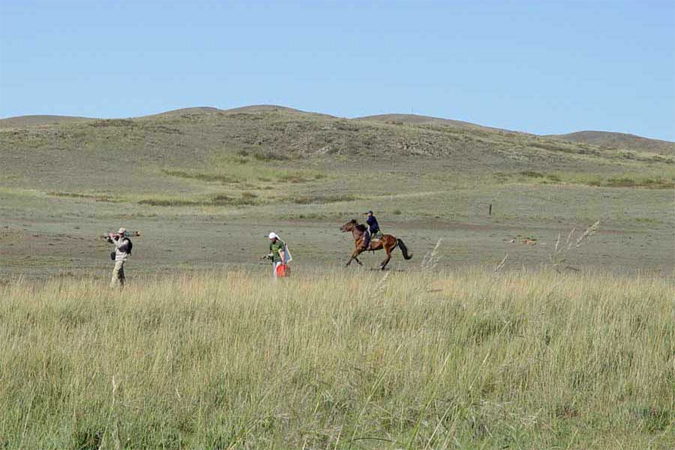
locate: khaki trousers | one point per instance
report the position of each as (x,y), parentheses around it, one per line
(118,274)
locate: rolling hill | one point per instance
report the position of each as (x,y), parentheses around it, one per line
(597,139)
(193,137)
(185,111)
(207,139)
(35,120)
(414,119)
(619,140)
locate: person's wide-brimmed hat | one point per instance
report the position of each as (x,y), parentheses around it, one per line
(122,230)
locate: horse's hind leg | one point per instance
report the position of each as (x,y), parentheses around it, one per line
(386,260)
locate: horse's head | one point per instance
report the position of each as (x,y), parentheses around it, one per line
(349,226)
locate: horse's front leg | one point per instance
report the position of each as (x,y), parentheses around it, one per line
(354,257)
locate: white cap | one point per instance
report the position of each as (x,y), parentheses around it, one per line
(122,231)
(273,235)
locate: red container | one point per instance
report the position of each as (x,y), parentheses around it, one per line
(283,270)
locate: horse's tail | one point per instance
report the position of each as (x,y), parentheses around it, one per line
(404,249)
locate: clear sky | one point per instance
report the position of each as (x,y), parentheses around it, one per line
(537,66)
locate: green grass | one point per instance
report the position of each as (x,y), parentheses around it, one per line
(246,199)
(95,197)
(662,179)
(233,171)
(468,359)
(642,182)
(208,177)
(321,199)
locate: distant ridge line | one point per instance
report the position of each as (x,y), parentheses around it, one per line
(617,140)
(39,119)
(599,138)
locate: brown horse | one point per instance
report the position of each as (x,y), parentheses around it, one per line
(388,243)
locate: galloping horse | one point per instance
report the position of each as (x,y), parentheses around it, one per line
(388,243)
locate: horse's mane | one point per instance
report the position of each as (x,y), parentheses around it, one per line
(361,227)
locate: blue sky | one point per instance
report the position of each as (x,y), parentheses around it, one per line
(536,66)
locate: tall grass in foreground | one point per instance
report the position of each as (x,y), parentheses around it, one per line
(233,360)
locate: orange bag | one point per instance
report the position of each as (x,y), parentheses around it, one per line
(283,270)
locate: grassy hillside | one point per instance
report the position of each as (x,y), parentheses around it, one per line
(30,121)
(471,359)
(208,138)
(619,140)
(414,119)
(228,177)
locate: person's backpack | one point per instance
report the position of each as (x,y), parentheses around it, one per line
(113,254)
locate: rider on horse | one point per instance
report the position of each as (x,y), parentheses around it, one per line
(373,231)
(362,236)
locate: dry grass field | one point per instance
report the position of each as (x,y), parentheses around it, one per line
(422,360)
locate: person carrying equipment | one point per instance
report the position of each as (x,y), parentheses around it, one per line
(373,232)
(122,252)
(279,255)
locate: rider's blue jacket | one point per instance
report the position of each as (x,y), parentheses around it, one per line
(372,223)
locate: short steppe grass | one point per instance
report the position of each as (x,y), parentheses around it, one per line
(647,180)
(464,359)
